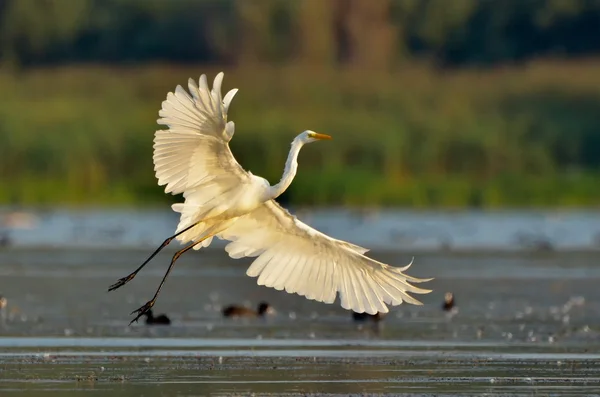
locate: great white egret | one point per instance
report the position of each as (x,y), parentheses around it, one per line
(223,200)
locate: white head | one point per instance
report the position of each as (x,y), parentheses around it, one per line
(291,164)
(309,136)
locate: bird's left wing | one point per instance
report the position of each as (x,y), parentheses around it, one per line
(295,257)
(194,151)
(193,156)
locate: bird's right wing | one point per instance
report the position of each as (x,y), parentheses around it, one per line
(193,156)
(194,151)
(295,257)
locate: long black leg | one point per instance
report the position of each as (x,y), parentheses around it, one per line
(129,277)
(148,305)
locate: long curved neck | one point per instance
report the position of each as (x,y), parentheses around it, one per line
(291,166)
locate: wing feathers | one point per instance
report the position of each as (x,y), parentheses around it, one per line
(299,259)
(228,97)
(195,145)
(193,157)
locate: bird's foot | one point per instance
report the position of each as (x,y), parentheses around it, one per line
(122,282)
(140,312)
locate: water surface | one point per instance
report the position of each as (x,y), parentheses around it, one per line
(526,323)
(377,229)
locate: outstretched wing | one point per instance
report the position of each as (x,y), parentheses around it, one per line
(295,257)
(194,151)
(193,155)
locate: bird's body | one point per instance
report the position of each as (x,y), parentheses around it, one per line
(161,319)
(241,311)
(223,200)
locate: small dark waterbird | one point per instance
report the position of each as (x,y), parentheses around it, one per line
(448,301)
(240,311)
(361,317)
(5,240)
(161,319)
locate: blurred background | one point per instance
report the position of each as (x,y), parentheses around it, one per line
(462,104)
(433,105)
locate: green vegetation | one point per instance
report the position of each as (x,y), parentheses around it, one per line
(354,33)
(520,136)
(432,103)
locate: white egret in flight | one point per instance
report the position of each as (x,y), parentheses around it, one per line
(225,201)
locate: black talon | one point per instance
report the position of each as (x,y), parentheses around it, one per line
(150,303)
(130,277)
(121,282)
(147,306)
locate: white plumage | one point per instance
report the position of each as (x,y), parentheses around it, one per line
(295,257)
(223,200)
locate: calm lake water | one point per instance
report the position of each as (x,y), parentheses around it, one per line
(383,230)
(527,320)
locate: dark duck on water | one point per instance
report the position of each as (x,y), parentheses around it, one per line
(161,319)
(239,311)
(448,301)
(366,316)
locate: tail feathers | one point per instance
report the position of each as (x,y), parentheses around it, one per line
(186,220)
(196,234)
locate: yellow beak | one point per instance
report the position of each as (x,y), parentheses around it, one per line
(321,136)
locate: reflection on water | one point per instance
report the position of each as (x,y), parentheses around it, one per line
(524,323)
(377,229)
